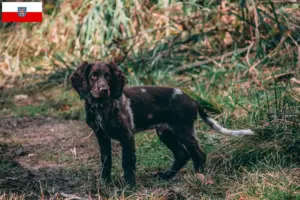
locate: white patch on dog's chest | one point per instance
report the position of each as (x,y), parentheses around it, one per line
(99,120)
(125,112)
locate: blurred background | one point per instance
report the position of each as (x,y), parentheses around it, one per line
(240,59)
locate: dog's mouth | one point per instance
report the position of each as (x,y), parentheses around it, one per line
(98,98)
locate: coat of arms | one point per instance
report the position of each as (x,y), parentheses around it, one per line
(22,11)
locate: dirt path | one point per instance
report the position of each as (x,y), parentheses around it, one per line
(44,156)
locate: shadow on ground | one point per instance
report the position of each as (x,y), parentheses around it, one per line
(44,156)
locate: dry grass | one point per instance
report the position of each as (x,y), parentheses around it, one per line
(272,184)
(174,34)
(12,197)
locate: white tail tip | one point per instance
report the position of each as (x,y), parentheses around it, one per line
(214,125)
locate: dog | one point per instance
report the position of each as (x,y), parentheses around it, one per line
(114,111)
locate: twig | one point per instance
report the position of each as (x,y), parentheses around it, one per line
(298,100)
(147,32)
(156,29)
(280,1)
(215,62)
(298,58)
(198,64)
(248,52)
(3,82)
(272,53)
(88,135)
(71,196)
(298,47)
(257,35)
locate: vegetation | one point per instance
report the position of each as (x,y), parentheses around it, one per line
(240,59)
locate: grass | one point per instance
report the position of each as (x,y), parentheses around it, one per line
(56,102)
(239,59)
(258,167)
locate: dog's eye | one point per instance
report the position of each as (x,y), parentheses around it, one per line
(93,77)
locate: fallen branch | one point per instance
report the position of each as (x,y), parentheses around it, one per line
(198,64)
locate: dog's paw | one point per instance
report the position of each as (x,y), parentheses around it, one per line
(131,183)
(105,177)
(129,177)
(163,175)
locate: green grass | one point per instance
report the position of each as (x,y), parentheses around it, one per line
(264,166)
(55,102)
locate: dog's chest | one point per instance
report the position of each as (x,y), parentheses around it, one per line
(101,118)
(99,121)
(114,118)
(108,120)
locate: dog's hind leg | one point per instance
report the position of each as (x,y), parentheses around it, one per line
(180,153)
(188,139)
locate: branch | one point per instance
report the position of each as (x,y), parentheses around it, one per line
(198,64)
(71,196)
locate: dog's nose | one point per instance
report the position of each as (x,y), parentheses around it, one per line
(103,90)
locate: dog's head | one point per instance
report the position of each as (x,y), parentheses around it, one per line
(98,81)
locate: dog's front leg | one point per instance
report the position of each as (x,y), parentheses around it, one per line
(128,158)
(105,146)
(105,153)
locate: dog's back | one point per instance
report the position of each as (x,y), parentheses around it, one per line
(154,106)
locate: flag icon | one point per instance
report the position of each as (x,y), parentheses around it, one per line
(22,12)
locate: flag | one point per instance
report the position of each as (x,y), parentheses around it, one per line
(22,12)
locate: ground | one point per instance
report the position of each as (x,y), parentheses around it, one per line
(55,158)
(47,151)
(47,154)
(44,156)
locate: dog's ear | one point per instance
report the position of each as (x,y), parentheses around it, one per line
(118,80)
(78,80)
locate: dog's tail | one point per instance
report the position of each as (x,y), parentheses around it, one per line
(217,127)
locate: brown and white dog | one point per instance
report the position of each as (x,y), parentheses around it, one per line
(117,112)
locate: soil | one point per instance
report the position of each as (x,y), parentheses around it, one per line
(45,156)
(51,158)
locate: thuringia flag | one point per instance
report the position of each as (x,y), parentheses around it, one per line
(22,12)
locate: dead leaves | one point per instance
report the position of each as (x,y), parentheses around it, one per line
(22,100)
(227,39)
(204,180)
